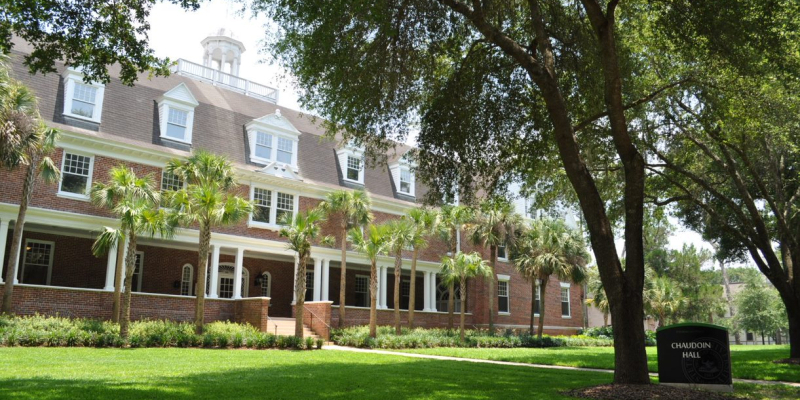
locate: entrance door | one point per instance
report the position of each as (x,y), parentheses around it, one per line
(225,282)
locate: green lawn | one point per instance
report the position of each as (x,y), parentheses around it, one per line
(748,362)
(88,373)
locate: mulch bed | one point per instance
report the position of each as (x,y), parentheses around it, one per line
(791,361)
(639,392)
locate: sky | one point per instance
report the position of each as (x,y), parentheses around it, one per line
(176,33)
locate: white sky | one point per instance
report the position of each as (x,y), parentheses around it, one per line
(176,33)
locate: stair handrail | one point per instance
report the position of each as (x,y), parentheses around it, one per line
(315,315)
(276,326)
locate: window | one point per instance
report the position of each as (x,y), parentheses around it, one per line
(82,100)
(38,262)
(263,200)
(405,291)
(565,311)
(285,147)
(749,336)
(285,207)
(266,281)
(177,123)
(538,299)
(353,168)
(362,285)
(225,282)
(501,252)
(186,280)
(309,286)
(405,181)
(76,175)
(502,296)
(170,181)
(263,147)
(138,264)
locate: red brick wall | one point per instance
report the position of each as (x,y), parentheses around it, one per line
(317,317)
(254,311)
(360,316)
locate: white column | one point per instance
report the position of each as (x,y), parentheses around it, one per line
(237,274)
(317,279)
(235,66)
(294,280)
(111,267)
(214,276)
(3,239)
(384,280)
(20,255)
(326,284)
(432,285)
(426,291)
(222,62)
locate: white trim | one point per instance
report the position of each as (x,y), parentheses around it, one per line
(505,280)
(565,285)
(269,284)
(178,98)
(72,77)
(191,279)
(501,277)
(21,272)
(272,223)
(278,127)
(343,155)
(244,280)
(141,270)
(70,195)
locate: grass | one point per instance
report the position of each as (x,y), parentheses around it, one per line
(748,362)
(174,373)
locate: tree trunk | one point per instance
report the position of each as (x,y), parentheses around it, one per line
(762,338)
(16,237)
(373,300)
(543,288)
(300,294)
(130,269)
(729,297)
(605,318)
(412,289)
(343,276)
(533,304)
(794,331)
(202,265)
(492,286)
(398,262)
(463,287)
(118,276)
(451,292)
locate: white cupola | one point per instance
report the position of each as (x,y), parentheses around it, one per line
(222,51)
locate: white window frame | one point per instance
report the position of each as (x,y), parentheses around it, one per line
(355,289)
(245,279)
(507,280)
(505,252)
(565,285)
(348,150)
(347,168)
(276,132)
(168,104)
(266,277)
(191,279)
(50,263)
(272,223)
(538,294)
(410,192)
(76,196)
(73,77)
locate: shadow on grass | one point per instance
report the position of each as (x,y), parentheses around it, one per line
(372,377)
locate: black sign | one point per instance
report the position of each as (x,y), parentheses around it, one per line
(694,354)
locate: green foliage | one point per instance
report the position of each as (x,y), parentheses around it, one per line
(60,332)
(759,308)
(431,338)
(607,332)
(88,34)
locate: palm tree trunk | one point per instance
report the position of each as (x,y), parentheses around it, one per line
(543,297)
(343,276)
(463,287)
(16,237)
(202,265)
(373,300)
(398,262)
(300,295)
(412,289)
(605,319)
(492,286)
(130,268)
(118,271)
(533,303)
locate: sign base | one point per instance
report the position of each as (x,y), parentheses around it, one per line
(701,386)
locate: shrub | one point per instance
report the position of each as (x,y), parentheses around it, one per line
(320,342)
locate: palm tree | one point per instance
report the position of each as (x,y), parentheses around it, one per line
(456,270)
(301,232)
(452,220)
(423,223)
(495,226)
(352,208)
(374,242)
(662,298)
(134,201)
(549,248)
(208,200)
(401,233)
(24,141)
(599,299)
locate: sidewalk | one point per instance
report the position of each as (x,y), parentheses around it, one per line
(516,364)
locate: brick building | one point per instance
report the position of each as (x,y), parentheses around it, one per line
(283,164)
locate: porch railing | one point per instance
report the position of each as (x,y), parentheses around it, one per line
(225,80)
(313,315)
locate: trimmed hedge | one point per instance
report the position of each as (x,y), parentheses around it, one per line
(607,332)
(427,338)
(67,332)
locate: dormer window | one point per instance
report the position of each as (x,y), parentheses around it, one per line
(405,180)
(351,161)
(82,100)
(176,114)
(403,175)
(354,170)
(273,140)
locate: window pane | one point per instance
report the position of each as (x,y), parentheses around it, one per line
(177,117)
(175,131)
(186,281)
(405,181)
(538,303)
(502,296)
(84,93)
(263,152)
(263,200)
(83,109)
(502,305)
(309,286)
(263,145)
(73,183)
(501,251)
(170,181)
(225,288)
(37,262)
(353,167)
(76,164)
(265,285)
(137,274)
(565,302)
(284,150)
(361,291)
(285,206)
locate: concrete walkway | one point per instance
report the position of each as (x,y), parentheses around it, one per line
(517,364)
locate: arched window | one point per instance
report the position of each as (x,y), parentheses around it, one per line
(187,276)
(226,273)
(266,283)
